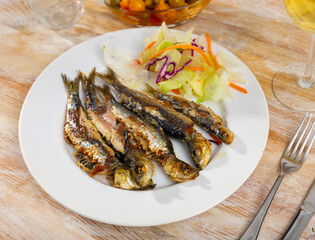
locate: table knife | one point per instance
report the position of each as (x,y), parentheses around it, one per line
(304,216)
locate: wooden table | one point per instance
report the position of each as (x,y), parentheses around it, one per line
(259,32)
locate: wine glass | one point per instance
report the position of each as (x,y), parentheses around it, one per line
(294,84)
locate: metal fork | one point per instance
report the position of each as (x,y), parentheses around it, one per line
(290,162)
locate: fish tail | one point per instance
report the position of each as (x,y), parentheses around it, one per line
(88,83)
(107,93)
(67,82)
(110,77)
(82,78)
(76,85)
(87,80)
(103,93)
(91,76)
(72,87)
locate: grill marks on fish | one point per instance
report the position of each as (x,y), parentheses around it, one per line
(163,116)
(80,132)
(200,114)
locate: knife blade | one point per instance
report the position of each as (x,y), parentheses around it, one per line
(309,201)
(304,216)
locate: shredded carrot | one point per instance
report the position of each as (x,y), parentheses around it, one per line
(195,68)
(137,61)
(216,139)
(233,85)
(150,45)
(186,46)
(216,64)
(176,91)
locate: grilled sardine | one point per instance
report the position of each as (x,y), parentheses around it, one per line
(200,114)
(82,133)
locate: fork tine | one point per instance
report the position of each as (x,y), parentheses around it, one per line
(294,137)
(310,145)
(300,138)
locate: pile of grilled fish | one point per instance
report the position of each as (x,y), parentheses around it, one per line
(121,139)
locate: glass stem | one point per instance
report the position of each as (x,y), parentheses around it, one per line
(307,81)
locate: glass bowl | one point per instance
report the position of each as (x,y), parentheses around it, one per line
(172,17)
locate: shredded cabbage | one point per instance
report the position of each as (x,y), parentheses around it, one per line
(169,85)
(234,68)
(187,78)
(214,88)
(173,54)
(172,70)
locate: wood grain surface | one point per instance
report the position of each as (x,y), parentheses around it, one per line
(259,32)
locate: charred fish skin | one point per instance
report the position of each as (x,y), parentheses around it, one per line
(155,112)
(148,136)
(200,114)
(161,115)
(99,114)
(152,140)
(80,132)
(115,133)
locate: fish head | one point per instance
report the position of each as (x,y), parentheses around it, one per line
(200,149)
(143,169)
(178,170)
(123,179)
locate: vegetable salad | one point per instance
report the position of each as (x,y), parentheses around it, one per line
(186,65)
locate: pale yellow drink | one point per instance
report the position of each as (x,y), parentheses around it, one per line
(302,12)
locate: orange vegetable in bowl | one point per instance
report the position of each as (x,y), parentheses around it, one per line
(168,16)
(124,4)
(177,3)
(154,12)
(137,5)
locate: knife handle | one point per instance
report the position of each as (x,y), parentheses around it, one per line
(253,229)
(298,225)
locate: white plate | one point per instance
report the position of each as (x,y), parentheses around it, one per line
(50,161)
